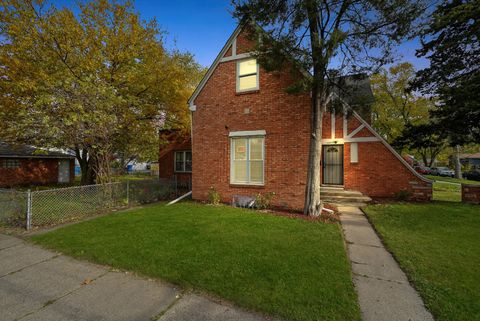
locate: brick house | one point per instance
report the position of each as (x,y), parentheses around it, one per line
(249,136)
(175,156)
(27,165)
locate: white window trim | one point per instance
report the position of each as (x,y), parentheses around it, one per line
(232,158)
(184,152)
(237,76)
(247,133)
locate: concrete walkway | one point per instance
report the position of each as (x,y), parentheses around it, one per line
(36,284)
(384,292)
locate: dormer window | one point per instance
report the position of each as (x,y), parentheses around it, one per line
(247,75)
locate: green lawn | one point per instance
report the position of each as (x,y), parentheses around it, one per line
(437,245)
(452,180)
(289,268)
(444,191)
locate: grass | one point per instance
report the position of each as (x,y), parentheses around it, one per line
(437,245)
(452,180)
(289,268)
(444,191)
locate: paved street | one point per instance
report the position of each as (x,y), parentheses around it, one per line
(36,284)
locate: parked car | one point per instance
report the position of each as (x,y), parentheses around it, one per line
(442,171)
(422,169)
(472,175)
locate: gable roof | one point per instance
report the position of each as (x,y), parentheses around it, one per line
(355,90)
(26,151)
(214,65)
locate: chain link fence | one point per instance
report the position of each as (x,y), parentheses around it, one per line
(56,206)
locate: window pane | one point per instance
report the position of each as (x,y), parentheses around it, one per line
(11,163)
(256,148)
(247,82)
(188,161)
(240,148)
(247,67)
(256,171)
(179,161)
(240,171)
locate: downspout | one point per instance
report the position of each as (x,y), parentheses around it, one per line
(192,108)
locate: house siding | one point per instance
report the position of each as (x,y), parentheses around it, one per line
(166,165)
(286,120)
(33,171)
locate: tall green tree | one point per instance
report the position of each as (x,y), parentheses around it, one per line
(396,106)
(326,38)
(451,44)
(98,81)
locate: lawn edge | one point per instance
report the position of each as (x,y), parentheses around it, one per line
(404,270)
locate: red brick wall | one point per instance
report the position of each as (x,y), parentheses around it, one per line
(471,194)
(379,173)
(286,120)
(166,161)
(32,172)
(284,117)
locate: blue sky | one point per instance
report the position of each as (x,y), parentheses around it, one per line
(203,26)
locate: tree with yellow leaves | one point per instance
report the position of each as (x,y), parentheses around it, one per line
(98,81)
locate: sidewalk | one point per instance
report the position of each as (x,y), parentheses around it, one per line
(36,284)
(384,292)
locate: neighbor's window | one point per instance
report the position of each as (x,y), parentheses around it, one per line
(247,75)
(247,161)
(183,161)
(11,163)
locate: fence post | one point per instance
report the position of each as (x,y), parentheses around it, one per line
(29,209)
(128,192)
(176,185)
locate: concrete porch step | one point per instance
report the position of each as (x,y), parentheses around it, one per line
(338,195)
(345,199)
(336,204)
(339,192)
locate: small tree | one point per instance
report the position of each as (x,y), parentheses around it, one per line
(427,139)
(324,35)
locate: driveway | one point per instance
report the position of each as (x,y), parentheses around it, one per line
(36,284)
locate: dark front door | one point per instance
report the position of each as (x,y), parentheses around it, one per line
(333,164)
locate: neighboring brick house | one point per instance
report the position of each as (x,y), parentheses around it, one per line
(249,136)
(175,156)
(27,165)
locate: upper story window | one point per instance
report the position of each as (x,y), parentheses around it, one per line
(247,75)
(10,163)
(183,161)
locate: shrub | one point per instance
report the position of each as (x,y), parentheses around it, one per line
(402,195)
(213,196)
(262,201)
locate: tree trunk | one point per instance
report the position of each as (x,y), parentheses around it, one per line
(313,203)
(458,165)
(86,167)
(424,158)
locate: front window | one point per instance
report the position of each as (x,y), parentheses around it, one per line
(247,163)
(183,161)
(11,163)
(247,75)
